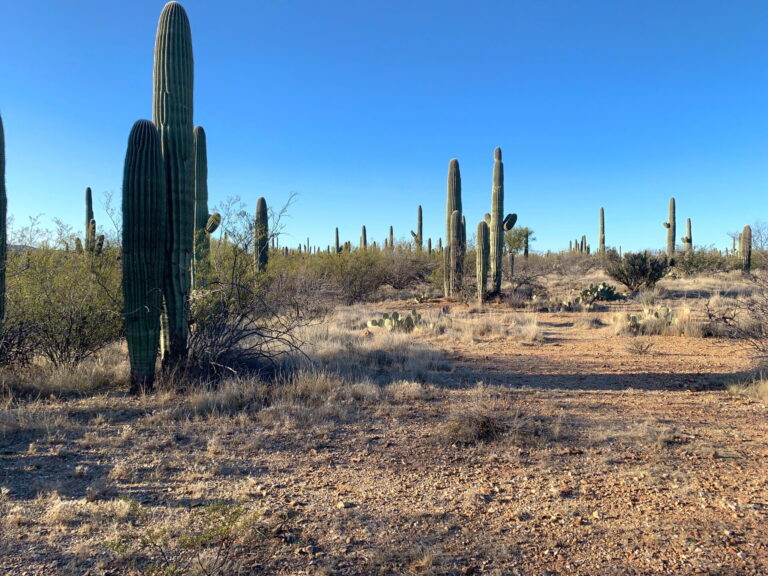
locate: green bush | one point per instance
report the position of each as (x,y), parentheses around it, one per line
(68,306)
(636,269)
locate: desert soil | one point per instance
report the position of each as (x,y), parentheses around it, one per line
(599,458)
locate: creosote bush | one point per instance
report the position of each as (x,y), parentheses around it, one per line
(636,269)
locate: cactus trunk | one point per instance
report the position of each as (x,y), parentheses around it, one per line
(363,240)
(601,241)
(746,249)
(90,222)
(261,236)
(453,235)
(417,237)
(671,227)
(687,240)
(483,252)
(172,114)
(3,224)
(497,223)
(144,222)
(202,235)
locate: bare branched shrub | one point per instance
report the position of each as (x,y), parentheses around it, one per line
(743,317)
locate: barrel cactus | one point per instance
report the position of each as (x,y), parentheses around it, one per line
(144,229)
(172,115)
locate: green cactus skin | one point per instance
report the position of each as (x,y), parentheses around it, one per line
(429,246)
(687,240)
(671,227)
(453,253)
(144,221)
(746,249)
(363,240)
(418,239)
(337,247)
(391,238)
(570,245)
(509,222)
(453,203)
(90,222)
(202,239)
(583,245)
(525,244)
(440,244)
(601,241)
(497,222)
(261,236)
(213,223)
(172,109)
(483,254)
(3,225)
(98,245)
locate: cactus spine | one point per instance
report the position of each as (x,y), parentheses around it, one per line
(144,222)
(601,241)
(746,249)
(454,251)
(261,236)
(172,114)
(483,252)
(687,240)
(671,227)
(3,219)
(417,236)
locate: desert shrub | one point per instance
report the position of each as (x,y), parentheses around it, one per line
(404,269)
(354,276)
(704,261)
(636,269)
(744,316)
(66,306)
(660,321)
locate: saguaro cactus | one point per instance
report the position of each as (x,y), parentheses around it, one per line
(337,246)
(498,222)
(202,218)
(687,240)
(363,240)
(671,230)
(144,223)
(601,241)
(3,219)
(261,236)
(483,251)
(172,114)
(418,239)
(453,234)
(90,222)
(391,238)
(746,249)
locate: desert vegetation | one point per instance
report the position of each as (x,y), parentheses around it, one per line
(184,395)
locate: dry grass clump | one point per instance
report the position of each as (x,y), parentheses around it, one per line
(755,387)
(471,326)
(228,397)
(660,321)
(488,416)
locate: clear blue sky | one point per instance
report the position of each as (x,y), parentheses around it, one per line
(358,106)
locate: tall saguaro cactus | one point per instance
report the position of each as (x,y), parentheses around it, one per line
(336,246)
(483,251)
(202,218)
(261,235)
(453,235)
(417,236)
(671,227)
(144,222)
(601,241)
(746,248)
(363,240)
(3,219)
(90,222)
(497,223)
(687,240)
(172,114)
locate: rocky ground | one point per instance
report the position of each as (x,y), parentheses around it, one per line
(561,448)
